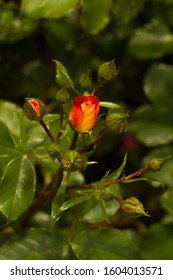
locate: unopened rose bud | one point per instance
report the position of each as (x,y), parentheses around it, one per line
(84,112)
(116,122)
(132,208)
(85,80)
(156,164)
(107,72)
(62,96)
(72,161)
(34,109)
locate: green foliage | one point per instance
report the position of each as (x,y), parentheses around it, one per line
(47,211)
(48,8)
(107,244)
(94,19)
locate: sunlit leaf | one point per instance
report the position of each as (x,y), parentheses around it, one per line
(48,8)
(108,104)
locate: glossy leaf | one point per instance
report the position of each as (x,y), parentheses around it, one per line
(11,116)
(17,187)
(159,84)
(153,125)
(109,105)
(104,244)
(94,19)
(62,77)
(153,40)
(48,8)
(36,244)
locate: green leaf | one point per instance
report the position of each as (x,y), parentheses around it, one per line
(159,85)
(59,200)
(17,187)
(62,77)
(95,19)
(14,28)
(72,202)
(153,40)
(158,243)
(103,208)
(7,148)
(48,8)
(116,174)
(108,104)
(125,10)
(36,244)
(11,116)
(91,212)
(153,125)
(104,244)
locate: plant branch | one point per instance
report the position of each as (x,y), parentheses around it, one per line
(61,109)
(120,180)
(47,130)
(44,197)
(90,146)
(74,141)
(126,178)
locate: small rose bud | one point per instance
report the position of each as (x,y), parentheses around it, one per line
(155,164)
(107,72)
(84,112)
(34,109)
(62,96)
(116,122)
(108,194)
(72,161)
(132,208)
(85,80)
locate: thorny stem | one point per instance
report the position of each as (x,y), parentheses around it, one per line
(120,180)
(47,131)
(90,146)
(74,140)
(61,108)
(116,197)
(131,176)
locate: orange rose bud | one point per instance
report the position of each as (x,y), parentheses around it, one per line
(84,112)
